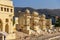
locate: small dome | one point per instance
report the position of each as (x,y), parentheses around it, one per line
(19,11)
(43,15)
(27,11)
(36,13)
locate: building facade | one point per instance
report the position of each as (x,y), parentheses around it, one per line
(34,22)
(6,19)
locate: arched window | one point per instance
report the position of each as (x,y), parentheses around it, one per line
(7,9)
(1,8)
(1,25)
(11,10)
(7,20)
(7,28)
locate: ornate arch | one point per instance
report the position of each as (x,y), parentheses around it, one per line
(1,25)
(7,28)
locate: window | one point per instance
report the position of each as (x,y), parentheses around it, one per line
(7,9)
(1,25)
(7,28)
(7,20)
(1,8)
(4,9)
(11,19)
(11,10)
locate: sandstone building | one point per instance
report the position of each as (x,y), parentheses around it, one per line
(6,19)
(33,22)
(30,23)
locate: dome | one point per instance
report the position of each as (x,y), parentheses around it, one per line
(35,13)
(43,15)
(27,11)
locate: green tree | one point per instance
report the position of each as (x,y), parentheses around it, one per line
(57,24)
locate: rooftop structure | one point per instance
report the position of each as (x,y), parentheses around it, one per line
(33,22)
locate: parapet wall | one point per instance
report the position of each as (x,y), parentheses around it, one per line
(4,2)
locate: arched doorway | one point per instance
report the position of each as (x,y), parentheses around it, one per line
(1,25)
(7,28)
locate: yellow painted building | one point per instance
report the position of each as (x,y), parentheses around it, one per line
(6,19)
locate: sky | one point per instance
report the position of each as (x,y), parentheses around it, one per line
(38,4)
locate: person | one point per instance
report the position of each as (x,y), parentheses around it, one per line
(4,37)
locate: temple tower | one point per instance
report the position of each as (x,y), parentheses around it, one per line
(35,22)
(24,21)
(43,22)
